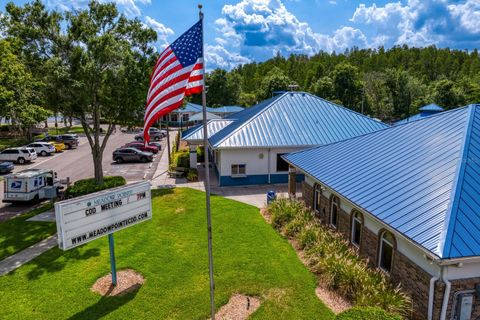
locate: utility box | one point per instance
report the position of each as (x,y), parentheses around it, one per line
(464,307)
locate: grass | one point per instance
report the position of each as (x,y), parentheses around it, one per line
(12,142)
(16,234)
(171,253)
(62,130)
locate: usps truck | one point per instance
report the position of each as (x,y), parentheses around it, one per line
(30,185)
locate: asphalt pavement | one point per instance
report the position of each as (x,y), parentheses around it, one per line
(78,164)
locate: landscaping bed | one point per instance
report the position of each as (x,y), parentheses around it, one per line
(170,253)
(338,267)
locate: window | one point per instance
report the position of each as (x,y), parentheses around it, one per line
(356,228)
(334,212)
(173,117)
(386,251)
(239,169)
(282,165)
(317,197)
(185,117)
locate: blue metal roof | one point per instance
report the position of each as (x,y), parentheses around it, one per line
(425,111)
(421,178)
(213,126)
(227,109)
(293,119)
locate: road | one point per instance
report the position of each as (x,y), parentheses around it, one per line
(78,164)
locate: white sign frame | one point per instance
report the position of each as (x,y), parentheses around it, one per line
(87,218)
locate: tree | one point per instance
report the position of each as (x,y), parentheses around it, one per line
(223,88)
(377,96)
(323,88)
(107,57)
(446,94)
(17,90)
(346,84)
(275,80)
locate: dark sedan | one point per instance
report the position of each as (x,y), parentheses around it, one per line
(6,167)
(131,155)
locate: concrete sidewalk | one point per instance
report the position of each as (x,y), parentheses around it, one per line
(18,259)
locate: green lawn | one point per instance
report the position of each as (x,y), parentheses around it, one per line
(62,130)
(17,234)
(171,253)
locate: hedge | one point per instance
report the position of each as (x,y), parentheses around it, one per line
(366,313)
(337,265)
(86,186)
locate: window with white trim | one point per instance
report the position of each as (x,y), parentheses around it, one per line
(239,170)
(317,197)
(334,205)
(356,228)
(385,260)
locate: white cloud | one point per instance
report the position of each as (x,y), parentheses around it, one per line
(163,32)
(468,14)
(216,56)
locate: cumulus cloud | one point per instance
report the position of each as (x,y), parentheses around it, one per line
(468,14)
(216,56)
(163,32)
(261,28)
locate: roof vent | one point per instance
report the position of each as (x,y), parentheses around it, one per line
(293,87)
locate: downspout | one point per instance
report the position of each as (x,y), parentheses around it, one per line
(431,294)
(268,159)
(446,296)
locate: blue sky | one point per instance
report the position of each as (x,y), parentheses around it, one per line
(241,31)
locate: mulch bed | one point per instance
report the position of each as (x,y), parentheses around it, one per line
(239,307)
(127,281)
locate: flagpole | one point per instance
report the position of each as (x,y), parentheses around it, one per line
(207,180)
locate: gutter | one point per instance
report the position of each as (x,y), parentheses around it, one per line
(269,169)
(431,294)
(446,296)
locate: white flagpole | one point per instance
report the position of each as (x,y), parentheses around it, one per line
(207,180)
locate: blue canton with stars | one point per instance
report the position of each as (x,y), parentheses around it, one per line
(188,47)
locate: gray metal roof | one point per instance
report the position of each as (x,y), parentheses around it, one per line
(293,119)
(420,178)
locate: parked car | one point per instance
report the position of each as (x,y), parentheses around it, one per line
(70,140)
(6,167)
(42,148)
(156,144)
(59,146)
(18,155)
(141,146)
(155,134)
(131,155)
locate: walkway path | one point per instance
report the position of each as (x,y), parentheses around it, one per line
(18,259)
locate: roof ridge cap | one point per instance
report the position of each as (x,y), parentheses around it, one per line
(249,120)
(445,244)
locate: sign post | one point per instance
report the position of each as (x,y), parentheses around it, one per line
(113,265)
(84,219)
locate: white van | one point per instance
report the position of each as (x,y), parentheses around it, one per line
(30,184)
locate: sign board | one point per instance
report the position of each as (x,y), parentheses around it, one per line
(83,219)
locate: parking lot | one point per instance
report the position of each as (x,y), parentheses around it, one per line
(78,164)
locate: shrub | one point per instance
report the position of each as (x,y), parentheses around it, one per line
(192,175)
(366,313)
(86,186)
(180,159)
(200,154)
(337,265)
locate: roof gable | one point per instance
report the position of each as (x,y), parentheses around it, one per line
(293,119)
(421,178)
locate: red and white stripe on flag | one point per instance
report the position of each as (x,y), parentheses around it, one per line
(178,72)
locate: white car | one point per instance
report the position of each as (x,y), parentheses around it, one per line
(18,155)
(42,148)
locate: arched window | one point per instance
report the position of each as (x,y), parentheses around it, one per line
(334,206)
(357,222)
(385,258)
(317,197)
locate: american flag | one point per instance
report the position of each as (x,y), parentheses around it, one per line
(177,73)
